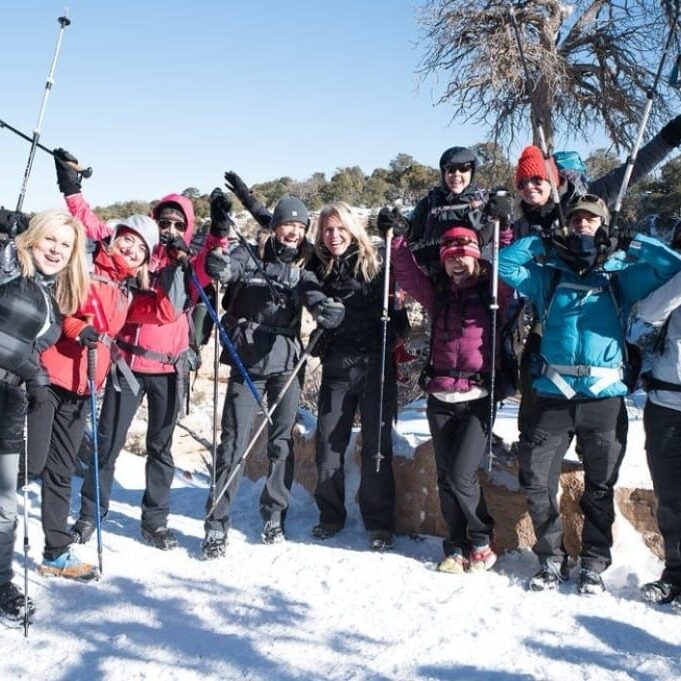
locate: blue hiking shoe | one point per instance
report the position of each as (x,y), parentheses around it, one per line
(70,567)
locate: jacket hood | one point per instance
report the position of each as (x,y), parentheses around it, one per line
(187,208)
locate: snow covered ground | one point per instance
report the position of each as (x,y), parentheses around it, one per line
(332,610)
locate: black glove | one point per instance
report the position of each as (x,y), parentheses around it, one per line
(329,313)
(236,185)
(68,178)
(499,207)
(88,337)
(12,222)
(178,249)
(671,133)
(625,237)
(391,218)
(220,208)
(218,265)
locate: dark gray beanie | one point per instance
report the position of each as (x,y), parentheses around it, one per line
(457,156)
(289,209)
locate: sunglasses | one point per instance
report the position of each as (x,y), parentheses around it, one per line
(459,167)
(535,180)
(168,224)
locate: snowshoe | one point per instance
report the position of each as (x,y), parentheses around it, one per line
(551,575)
(214,545)
(82,530)
(326,530)
(660,591)
(161,537)
(272,533)
(676,605)
(13,604)
(481,558)
(70,567)
(589,582)
(381,540)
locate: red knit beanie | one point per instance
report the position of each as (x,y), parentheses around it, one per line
(531,164)
(458,241)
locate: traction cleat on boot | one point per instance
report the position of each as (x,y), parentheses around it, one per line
(481,558)
(551,575)
(660,591)
(272,533)
(455,564)
(381,540)
(82,530)
(214,545)
(162,538)
(70,567)
(13,604)
(589,582)
(326,530)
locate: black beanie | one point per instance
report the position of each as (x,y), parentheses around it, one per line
(457,156)
(289,209)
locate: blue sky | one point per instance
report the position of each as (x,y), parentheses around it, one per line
(160,95)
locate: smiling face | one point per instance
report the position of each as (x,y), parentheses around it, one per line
(290,234)
(131,247)
(460,268)
(335,236)
(52,252)
(458,177)
(534,191)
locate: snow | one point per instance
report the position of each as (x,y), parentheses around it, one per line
(328,610)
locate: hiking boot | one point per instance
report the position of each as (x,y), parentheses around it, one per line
(589,582)
(326,530)
(13,604)
(69,567)
(214,544)
(660,591)
(381,540)
(481,558)
(455,564)
(272,533)
(82,530)
(162,538)
(552,574)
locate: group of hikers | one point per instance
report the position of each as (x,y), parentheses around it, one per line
(88,305)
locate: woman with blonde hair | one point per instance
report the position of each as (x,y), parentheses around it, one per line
(43,275)
(350,269)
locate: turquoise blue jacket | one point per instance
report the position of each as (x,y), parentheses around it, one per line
(583,342)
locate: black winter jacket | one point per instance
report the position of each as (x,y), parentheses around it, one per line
(30,321)
(265,329)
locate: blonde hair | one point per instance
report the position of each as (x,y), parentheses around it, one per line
(71,283)
(368,259)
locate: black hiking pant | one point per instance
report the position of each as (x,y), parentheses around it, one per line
(69,413)
(663,449)
(460,433)
(341,393)
(238,416)
(118,410)
(600,427)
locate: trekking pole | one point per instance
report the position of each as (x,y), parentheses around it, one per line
(385,318)
(27,620)
(537,124)
(631,160)
(494,310)
(83,172)
(92,388)
(63,23)
(314,338)
(227,342)
(216,368)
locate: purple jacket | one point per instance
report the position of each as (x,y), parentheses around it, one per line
(461,320)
